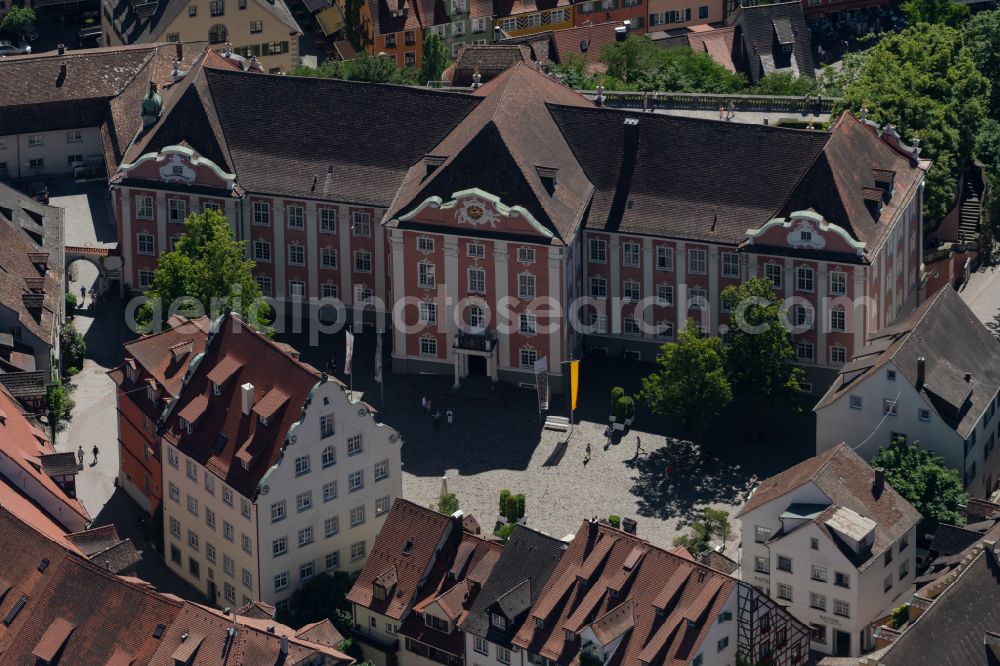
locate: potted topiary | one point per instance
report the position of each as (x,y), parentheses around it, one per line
(628,408)
(617,393)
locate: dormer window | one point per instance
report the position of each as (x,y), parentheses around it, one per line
(539,623)
(185,425)
(436,623)
(130,371)
(378,591)
(149,393)
(570,636)
(216,389)
(498,621)
(805,235)
(245,464)
(264,421)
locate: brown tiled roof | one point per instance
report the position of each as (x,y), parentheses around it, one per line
(322,632)
(716,42)
(25,384)
(623,573)
(764,28)
(154,354)
(142,24)
(719,562)
(847,481)
(835,184)
(488,59)
(453,584)
(513,131)
(257,610)
(59,464)
(53,640)
(929,332)
(20,277)
(408,541)
(22,443)
(502,8)
(95,539)
(567,42)
(368,157)
(673,160)
(262,364)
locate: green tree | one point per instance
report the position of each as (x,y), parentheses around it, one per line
(944,12)
(638,64)
(322,596)
(447,504)
(921,477)
(364,67)
(784,83)
(72,349)
(691,382)
(833,82)
(714,524)
(17,20)
(60,405)
(924,80)
(760,354)
(433,61)
(982,38)
(355,28)
(572,71)
(206,272)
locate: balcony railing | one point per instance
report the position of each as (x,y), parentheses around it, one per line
(707,102)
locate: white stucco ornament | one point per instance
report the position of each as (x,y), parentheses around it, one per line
(175,169)
(476,212)
(806,235)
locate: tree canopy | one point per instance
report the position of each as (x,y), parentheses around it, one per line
(434,60)
(206,272)
(784,83)
(760,354)
(322,596)
(691,381)
(638,64)
(922,478)
(982,38)
(364,67)
(924,81)
(944,12)
(17,19)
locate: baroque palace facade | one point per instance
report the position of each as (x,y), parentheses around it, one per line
(521,221)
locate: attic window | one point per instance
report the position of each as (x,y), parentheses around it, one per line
(378,591)
(431,163)
(539,623)
(158,632)
(548,178)
(220,443)
(570,636)
(18,607)
(498,621)
(216,389)
(407,547)
(805,235)
(185,425)
(264,421)
(43,565)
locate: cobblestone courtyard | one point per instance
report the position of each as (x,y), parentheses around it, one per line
(492,446)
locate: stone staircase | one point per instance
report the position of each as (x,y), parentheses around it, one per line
(969,213)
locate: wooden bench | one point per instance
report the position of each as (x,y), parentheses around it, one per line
(557,423)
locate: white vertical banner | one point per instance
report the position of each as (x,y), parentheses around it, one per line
(348,351)
(542,382)
(378,358)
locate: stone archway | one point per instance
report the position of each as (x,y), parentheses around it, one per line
(108,265)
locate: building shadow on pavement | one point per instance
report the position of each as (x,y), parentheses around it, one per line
(122,512)
(106,333)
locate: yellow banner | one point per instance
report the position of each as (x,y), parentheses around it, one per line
(574,383)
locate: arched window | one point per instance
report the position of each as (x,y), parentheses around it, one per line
(217,34)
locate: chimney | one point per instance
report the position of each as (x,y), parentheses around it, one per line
(62,69)
(284,646)
(631,137)
(591,530)
(584,45)
(621,33)
(968,377)
(61,49)
(878,484)
(457,518)
(629,526)
(247,398)
(179,50)
(921,370)
(175,75)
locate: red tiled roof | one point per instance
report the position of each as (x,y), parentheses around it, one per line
(161,356)
(22,443)
(267,367)
(53,640)
(407,523)
(622,574)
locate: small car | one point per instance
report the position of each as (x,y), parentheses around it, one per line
(9,49)
(39,191)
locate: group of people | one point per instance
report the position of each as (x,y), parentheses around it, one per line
(83,296)
(80,454)
(425,404)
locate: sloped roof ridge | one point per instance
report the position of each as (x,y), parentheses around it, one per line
(920,320)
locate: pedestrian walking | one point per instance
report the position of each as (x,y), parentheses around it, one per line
(588,451)
(437,420)
(638,447)
(83,296)
(423,403)
(95,451)
(450,415)
(79,456)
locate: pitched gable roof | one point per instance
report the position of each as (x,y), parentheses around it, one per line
(145,23)
(666,166)
(766,29)
(600,580)
(407,541)
(848,481)
(513,131)
(165,356)
(514,584)
(960,380)
(220,418)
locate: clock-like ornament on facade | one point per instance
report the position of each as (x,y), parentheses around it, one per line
(474,211)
